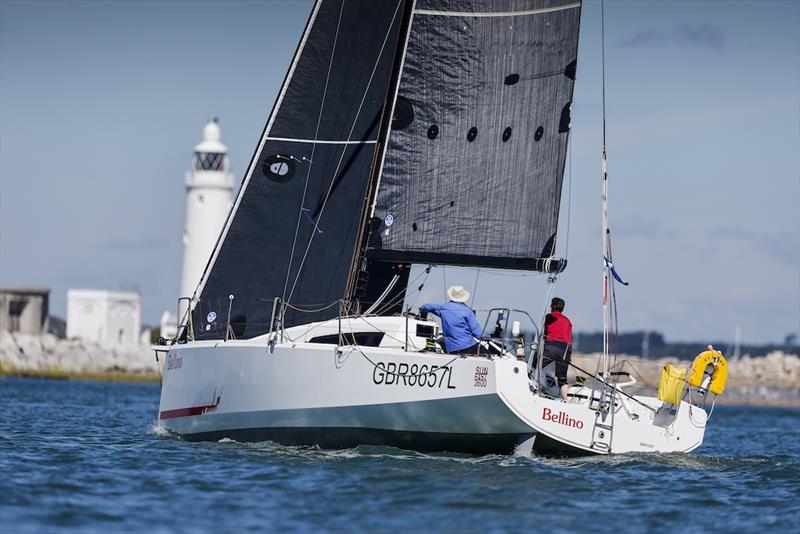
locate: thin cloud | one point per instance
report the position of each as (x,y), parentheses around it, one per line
(782,246)
(642,228)
(729,232)
(703,35)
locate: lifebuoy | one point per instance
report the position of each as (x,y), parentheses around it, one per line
(718,371)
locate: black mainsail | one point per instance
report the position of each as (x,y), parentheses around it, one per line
(293,230)
(473,170)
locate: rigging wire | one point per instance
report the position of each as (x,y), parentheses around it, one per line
(614,310)
(611,295)
(344,150)
(313,148)
(383,295)
(400,297)
(419,289)
(569,195)
(514,275)
(307,309)
(603,63)
(475,288)
(608,281)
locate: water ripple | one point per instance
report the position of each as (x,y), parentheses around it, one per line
(89,457)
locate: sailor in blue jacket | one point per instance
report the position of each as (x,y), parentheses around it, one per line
(461,328)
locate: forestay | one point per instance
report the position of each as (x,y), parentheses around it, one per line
(473,170)
(293,229)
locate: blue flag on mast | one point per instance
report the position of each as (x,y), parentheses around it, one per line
(616,275)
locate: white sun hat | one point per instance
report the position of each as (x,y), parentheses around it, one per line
(458,294)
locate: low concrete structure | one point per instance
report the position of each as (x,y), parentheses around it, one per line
(45,354)
(111,318)
(24,310)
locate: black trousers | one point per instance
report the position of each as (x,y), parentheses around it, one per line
(469,350)
(560,353)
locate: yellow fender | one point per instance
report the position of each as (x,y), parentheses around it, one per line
(670,387)
(719,371)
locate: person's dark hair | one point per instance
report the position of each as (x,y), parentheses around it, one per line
(557,304)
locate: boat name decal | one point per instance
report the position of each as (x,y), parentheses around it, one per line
(392,373)
(174,362)
(561,418)
(481,376)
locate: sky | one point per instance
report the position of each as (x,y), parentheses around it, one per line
(102,102)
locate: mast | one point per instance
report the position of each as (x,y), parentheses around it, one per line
(604,360)
(606,267)
(358,265)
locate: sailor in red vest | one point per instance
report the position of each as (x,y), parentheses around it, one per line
(558,343)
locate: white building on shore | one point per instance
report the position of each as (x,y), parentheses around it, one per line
(112,318)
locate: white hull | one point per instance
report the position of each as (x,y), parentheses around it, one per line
(310,394)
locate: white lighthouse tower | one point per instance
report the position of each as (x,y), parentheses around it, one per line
(208,200)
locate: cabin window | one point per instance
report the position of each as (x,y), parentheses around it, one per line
(507,134)
(472,134)
(433,131)
(539,133)
(511,79)
(365,339)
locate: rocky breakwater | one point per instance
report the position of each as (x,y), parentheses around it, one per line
(48,356)
(770,379)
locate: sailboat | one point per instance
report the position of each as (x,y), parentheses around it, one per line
(406,132)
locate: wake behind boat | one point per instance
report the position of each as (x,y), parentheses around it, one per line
(425,132)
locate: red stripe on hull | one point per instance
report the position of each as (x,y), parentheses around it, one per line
(186,412)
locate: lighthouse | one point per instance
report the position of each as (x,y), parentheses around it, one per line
(208,199)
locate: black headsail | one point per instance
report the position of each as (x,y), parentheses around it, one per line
(292,232)
(473,170)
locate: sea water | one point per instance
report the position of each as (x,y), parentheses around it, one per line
(89,457)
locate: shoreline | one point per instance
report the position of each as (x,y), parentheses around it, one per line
(112,376)
(772,380)
(767,403)
(153,378)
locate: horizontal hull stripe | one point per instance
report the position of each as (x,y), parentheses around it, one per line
(475,414)
(494,13)
(186,412)
(346,437)
(320,141)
